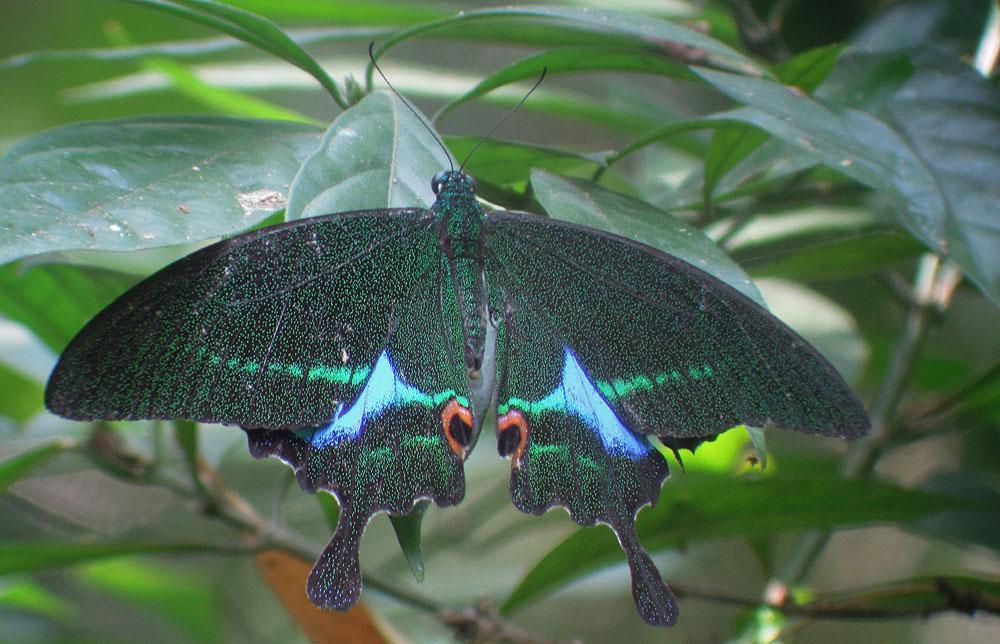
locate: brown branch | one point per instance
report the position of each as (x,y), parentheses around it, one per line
(762,38)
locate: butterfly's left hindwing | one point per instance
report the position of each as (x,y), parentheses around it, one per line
(403,437)
(569,449)
(603,341)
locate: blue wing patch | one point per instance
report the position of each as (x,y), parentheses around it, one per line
(577,395)
(384,389)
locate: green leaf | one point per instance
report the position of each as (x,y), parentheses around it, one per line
(568,60)
(27,596)
(345,11)
(644,31)
(145,182)
(377,154)
(182,49)
(328,505)
(934,149)
(188,83)
(584,202)
(184,599)
(407,528)
(810,68)
(32,556)
(21,399)
(55,301)
(506,163)
(730,145)
(220,99)
(819,243)
(704,507)
(250,28)
(966,525)
(14,469)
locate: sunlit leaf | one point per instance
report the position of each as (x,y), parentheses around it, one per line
(145,182)
(375,155)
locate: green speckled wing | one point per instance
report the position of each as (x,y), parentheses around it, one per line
(566,446)
(335,342)
(273,328)
(602,341)
(402,438)
(673,350)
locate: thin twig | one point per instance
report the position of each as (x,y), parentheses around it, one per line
(871,605)
(760,37)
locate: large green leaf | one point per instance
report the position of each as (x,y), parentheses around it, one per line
(31,556)
(584,202)
(933,146)
(703,507)
(54,301)
(145,182)
(377,154)
(640,30)
(572,59)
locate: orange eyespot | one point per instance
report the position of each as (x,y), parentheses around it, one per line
(457,423)
(512,436)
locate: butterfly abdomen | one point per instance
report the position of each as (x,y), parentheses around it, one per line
(460,227)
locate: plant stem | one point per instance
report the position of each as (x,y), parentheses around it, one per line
(932,290)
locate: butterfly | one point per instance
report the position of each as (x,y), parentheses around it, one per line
(365,348)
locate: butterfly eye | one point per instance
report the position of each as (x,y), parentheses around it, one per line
(470,181)
(438,181)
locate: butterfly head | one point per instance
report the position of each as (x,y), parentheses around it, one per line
(452,182)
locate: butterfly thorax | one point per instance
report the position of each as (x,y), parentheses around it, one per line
(460,226)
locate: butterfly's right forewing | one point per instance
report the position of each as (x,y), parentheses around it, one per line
(273,328)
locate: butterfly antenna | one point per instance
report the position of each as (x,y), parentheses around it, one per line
(501,121)
(371,56)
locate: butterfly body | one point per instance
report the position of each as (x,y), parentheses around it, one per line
(365,349)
